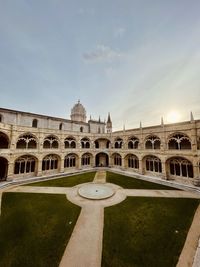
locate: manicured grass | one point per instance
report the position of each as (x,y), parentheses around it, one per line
(133,183)
(67,181)
(142,232)
(35,229)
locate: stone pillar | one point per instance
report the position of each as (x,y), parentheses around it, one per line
(79,163)
(141,168)
(39,168)
(62,169)
(123,163)
(10,173)
(164,171)
(196,180)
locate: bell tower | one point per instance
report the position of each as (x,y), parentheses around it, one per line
(109,124)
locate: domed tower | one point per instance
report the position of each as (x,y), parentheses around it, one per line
(109,124)
(78,113)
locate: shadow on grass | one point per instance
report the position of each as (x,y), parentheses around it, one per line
(67,181)
(144,232)
(134,183)
(35,229)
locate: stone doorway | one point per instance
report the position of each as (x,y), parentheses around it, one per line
(3,168)
(102,160)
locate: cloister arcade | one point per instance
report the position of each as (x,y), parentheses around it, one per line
(111,151)
(179,141)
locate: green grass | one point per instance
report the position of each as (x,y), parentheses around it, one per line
(134,183)
(35,229)
(67,181)
(141,232)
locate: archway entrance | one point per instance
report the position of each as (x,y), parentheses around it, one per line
(102,160)
(3,168)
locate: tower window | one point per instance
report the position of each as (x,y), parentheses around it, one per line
(35,123)
(60,126)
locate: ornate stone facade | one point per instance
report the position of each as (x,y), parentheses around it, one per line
(38,145)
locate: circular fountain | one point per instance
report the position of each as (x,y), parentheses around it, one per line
(96,191)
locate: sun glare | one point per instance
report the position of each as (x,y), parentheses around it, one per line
(173,116)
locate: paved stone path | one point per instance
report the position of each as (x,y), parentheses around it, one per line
(100,177)
(85,245)
(188,252)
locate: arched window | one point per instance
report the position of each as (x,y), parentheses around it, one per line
(85,143)
(35,123)
(4,141)
(133,143)
(25,164)
(86,159)
(153,164)
(70,161)
(81,129)
(70,142)
(152,142)
(50,142)
(181,167)
(118,143)
(26,141)
(96,144)
(1,118)
(117,160)
(133,161)
(61,126)
(50,162)
(179,141)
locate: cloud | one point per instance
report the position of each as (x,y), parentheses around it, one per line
(102,53)
(119,32)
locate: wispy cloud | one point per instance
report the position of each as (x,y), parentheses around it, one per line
(102,53)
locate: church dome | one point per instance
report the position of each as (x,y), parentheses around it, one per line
(78,112)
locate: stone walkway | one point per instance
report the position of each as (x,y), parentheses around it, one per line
(100,177)
(85,245)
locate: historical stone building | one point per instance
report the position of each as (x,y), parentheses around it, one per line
(38,145)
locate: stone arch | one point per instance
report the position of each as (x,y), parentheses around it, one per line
(51,162)
(26,164)
(27,141)
(85,142)
(71,161)
(118,142)
(35,123)
(179,141)
(70,142)
(4,141)
(116,159)
(152,164)
(180,166)
(131,161)
(102,143)
(86,160)
(51,142)
(3,168)
(102,159)
(152,142)
(133,142)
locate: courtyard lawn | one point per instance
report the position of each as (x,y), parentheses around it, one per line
(134,183)
(67,181)
(35,229)
(146,232)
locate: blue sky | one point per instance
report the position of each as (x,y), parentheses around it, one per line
(138,59)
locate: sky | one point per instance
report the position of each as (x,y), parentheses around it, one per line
(137,59)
